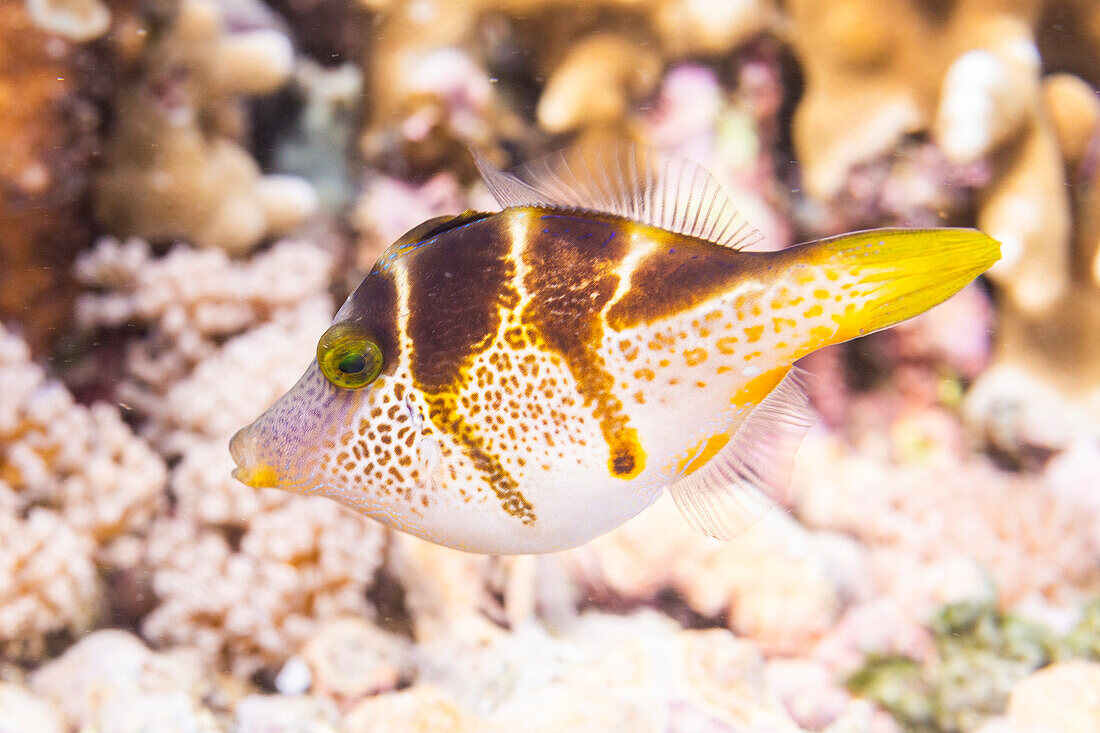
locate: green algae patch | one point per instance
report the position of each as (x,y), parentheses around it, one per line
(981,653)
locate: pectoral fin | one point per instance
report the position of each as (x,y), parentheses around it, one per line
(749,475)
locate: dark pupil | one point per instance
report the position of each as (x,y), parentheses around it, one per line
(353,363)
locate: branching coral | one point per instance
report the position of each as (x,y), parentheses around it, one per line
(221,575)
(1047,380)
(297,566)
(72,480)
(196,416)
(82,462)
(967,73)
(190,301)
(48,581)
(172,168)
(970,73)
(244,575)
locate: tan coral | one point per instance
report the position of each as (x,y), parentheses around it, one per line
(599,63)
(1074,112)
(226,389)
(1053,348)
(196,416)
(969,74)
(77,20)
(172,168)
(73,480)
(205,489)
(877,71)
(596,84)
(243,575)
(81,461)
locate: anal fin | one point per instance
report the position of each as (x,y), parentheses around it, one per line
(749,475)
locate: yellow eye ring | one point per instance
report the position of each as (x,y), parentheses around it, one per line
(348,356)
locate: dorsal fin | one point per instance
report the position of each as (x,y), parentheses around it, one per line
(748,477)
(626,180)
(438,225)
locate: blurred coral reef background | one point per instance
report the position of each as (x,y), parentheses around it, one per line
(188,188)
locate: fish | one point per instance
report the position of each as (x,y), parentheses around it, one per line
(523,381)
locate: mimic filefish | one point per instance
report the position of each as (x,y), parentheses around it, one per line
(526,380)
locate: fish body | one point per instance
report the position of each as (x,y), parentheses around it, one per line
(545,372)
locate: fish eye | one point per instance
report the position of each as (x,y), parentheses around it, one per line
(348,356)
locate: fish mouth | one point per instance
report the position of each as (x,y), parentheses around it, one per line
(250,472)
(260,476)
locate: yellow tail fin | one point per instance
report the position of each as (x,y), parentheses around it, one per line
(903,272)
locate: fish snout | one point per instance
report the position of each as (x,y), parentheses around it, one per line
(251,470)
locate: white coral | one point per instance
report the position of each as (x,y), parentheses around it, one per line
(48,581)
(110,680)
(191,301)
(298,565)
(83,462)
(77,20)
(637,673)
(72,479)
(22,710)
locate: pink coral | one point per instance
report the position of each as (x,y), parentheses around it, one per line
(779,584)
(1028,540)
(387,208)
(243,575)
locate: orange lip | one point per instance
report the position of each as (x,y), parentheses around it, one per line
(260,476)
